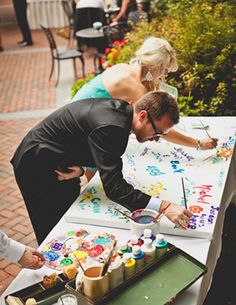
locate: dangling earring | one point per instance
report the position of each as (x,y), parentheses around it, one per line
(149,77)
(139,62)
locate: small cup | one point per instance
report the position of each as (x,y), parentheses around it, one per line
(92,284)
(97,25)
(137,228)
(67,299)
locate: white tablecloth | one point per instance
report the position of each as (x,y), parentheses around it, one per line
(204,250)
(49,13)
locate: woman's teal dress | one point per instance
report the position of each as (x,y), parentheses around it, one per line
(93,89)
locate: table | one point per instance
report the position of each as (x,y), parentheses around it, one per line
(205,250)
(90,33)
(97,38)
(49,13)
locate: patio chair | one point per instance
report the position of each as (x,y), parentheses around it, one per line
(58,56)
(69,12)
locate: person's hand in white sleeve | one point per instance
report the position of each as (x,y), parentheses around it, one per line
(31,259)
(15,252)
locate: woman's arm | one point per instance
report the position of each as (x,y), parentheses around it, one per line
(181,139)
(122,12)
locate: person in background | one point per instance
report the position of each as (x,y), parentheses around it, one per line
(48,162)
(20,7)
(16,252)
(126,6)
(130,81)
(1,48)
(143,5)
(90,3)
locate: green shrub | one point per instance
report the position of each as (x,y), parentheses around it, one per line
(79,84)
(203,35)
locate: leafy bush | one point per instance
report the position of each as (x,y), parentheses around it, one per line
(204,37)
(80,82)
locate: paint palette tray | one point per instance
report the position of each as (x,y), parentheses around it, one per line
(155,284)
(42,295)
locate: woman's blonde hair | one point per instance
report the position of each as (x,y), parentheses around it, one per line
(155,53)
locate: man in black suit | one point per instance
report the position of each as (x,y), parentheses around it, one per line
(91,132)
(20,7)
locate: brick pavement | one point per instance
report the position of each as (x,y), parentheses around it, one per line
(23,86)
(14,219)
(24,82)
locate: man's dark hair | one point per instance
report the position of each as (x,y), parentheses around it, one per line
(158,103)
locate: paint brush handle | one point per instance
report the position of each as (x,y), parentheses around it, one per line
(185,200)
(107,263)
(205,129)
(124,214)
(161,212)
(80,264)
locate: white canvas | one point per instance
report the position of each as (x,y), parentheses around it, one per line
(156,169)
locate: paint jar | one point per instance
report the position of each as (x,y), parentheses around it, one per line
(134,240)
(161,245)
(92,284)
(124,249)
(138,255)
(116,272)
(143,219)
(149,251)
(129,262)
(147,233)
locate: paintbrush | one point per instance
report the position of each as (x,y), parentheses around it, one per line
(161,212)
(108,261)
(124,214)
(185,200)
(80,264)
(205,129)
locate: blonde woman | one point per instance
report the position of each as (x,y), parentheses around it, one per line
(151,64)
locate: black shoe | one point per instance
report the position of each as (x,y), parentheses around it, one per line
(25,44)
(19,42)
(1,49)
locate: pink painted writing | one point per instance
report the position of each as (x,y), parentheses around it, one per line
(203,193)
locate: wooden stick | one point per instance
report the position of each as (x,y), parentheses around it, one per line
(185,200)
(107,263)
(79,263)
(124,214)
(205,129)
(161,212)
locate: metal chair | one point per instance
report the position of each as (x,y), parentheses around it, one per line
(69,12)
(58,56)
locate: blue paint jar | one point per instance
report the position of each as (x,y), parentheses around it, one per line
(147,233)
(138,255)
(161,245)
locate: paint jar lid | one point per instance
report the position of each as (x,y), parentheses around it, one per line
(127,257)
(136,250)
(134,239)
(147,233)
(147,242)
(123,247)
(159,238)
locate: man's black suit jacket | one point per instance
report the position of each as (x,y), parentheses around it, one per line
(91,132)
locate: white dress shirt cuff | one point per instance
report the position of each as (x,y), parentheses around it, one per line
(15,251)
(154,204)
